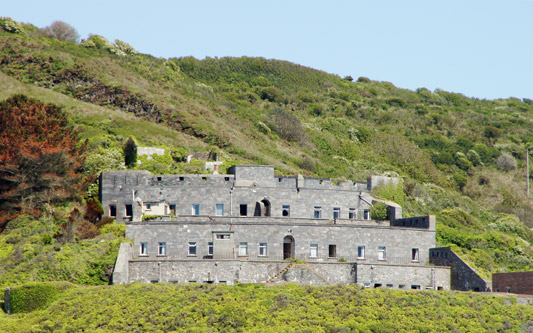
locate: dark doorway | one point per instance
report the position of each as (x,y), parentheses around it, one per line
(266,204)
(288,247)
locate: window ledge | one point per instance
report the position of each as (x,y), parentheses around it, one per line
(143,255)
(192,255)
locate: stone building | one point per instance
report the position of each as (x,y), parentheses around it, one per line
(251,226)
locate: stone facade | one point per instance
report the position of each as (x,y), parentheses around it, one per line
(463,277)
(242,227)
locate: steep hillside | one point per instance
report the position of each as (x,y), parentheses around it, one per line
(461,158)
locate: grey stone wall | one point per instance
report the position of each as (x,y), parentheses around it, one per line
(249,185)
(346,236)
(233,271)
(404,276)
(463,277)
(120,271)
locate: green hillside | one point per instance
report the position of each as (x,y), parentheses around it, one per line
(462,159)
(255,308)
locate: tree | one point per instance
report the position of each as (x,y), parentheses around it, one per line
(130,153)
(62,31)
(40,162)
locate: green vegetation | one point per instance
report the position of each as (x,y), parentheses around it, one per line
(35,296)
(460,158)
(255,308)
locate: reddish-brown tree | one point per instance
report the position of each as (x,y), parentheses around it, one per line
(40,162)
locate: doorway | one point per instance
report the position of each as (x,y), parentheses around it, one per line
(288,247)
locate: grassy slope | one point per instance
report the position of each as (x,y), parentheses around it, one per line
(249,308)
(346,129)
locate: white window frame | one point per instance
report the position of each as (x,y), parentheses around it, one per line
(219,209)
(313,251)
(143,249)
(111,210)
(352,215)
(162,249)
(243,249)
(148,206)
(195,210)
(382,253)
(192,246)
(367,214)
(361,252)
(210,248)
(263,250)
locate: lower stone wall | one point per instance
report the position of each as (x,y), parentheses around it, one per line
(233,271)
(403,276)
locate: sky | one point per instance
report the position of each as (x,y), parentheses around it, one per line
(481,49)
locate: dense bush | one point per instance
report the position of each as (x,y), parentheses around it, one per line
(35,296)
(506,162)
(62,31)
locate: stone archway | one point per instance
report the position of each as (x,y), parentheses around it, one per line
(288,247)
(266,207)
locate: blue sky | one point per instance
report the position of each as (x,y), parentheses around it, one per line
(481,49)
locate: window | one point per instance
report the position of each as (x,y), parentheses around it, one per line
(113,210)
(382,253)
(262,249)
(181,178)
(243,209)
(415,286)
(351,214)
(336,212)
(148,206)
(210,248)
(414,254)
(318,212)
(401,286)
(159,178)
(313,251)
(223,236)
(129,210)
(360,252)
(286,210)
(162,249)
(144,249)
(220,209)
(192,248)
(389,285)
(243,249)
(332,253)
(367,214)
(196,209)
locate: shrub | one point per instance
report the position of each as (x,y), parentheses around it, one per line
(35,296)
(348,78)
(287,126)
(363,79)
(271,94)
(506,162)
(9,25)
(96,41)
(130,153)
(116,229)
(62,31)
(378,211)
(462,161)
(474,157)
(122,49)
